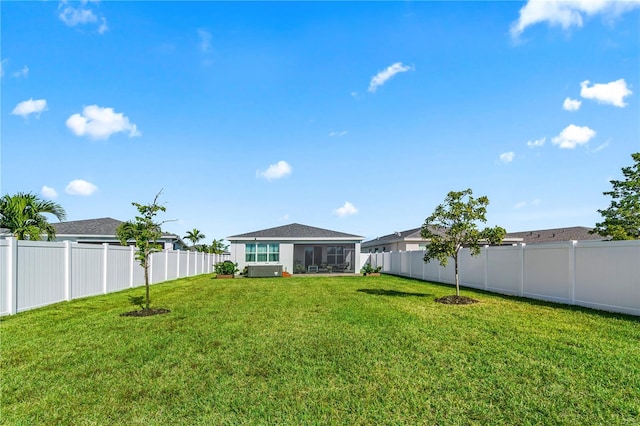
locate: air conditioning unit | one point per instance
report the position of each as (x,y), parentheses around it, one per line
(263,271)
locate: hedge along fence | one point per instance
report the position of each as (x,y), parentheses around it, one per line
(596,274)
(38,273)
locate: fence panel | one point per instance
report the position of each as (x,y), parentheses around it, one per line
(608,275)
(183,262)
(472,269)
(86,270)
(158,264)
(192,263)
(547,271)
(41,274)
(172,265)
(504,273)
(118,268)
(417,263)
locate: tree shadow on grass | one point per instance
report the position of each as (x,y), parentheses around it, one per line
(382,292)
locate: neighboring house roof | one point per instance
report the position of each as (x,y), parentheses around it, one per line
(528,237)
(295,231)
(101,227)
(410,235)
(554,235)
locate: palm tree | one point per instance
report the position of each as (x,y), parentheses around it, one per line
(23,215)
(194,236)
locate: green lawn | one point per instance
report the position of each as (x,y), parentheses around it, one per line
(322,350)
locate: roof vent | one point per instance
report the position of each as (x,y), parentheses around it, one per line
(398,234)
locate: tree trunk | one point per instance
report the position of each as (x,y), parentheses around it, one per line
(457,280)
(146,281)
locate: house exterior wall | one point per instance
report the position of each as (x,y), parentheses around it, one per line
(290,251)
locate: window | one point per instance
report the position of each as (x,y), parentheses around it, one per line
(335,255)
(262,252)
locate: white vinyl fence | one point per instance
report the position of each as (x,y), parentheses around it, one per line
(597,274)
(38,273)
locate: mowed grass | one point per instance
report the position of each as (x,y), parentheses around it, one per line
(322,350)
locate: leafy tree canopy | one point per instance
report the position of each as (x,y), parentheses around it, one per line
(23,214)
(621,220)
(453,225)
(145,231)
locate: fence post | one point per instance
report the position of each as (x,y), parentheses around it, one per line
(486,267)
(105,257)
(178,263)
(150,265)
(12,276)
(166,264)
(572,269)
(188,258)
(132,258)
(67,271)
(522,246)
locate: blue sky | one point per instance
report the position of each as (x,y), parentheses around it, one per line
(357,117)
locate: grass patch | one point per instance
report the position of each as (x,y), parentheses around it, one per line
(324,350)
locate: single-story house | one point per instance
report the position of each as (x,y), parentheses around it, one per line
(410,240)
(103,230)
(298,248)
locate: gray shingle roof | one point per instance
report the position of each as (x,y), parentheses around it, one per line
(101,226)
(295,230)
(410,234)
(578,233)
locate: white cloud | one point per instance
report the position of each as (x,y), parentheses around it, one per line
(347,209)
(48,192)
(24,72)
(337,134)
(103,28)
(567,13)
(26,108)
(80,187)
(507,157)
(100,123)
(536,143)
(276,171)
(75,16)
(205,40)
(571,104)
(384,75)
(523,204)
(610,93)
(601,147)
(81,15)
(573,136)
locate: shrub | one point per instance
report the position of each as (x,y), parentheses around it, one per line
(226,268)
(368,269)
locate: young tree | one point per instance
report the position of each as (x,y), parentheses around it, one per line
(453,226)
(23,215)
(622,218)
(194,236)
(146,233)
